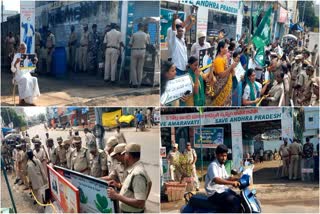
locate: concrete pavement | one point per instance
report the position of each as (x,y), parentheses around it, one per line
(150,144)
(81,91)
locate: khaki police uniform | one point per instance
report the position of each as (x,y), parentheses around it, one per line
(98,163)
(112,39)
(295,151)
(80,161)
(172,158)
(84,42)
(42,156)
(37,43)
(23,167)
(284,151)
(50,44)
(118,173)
(61,156)
(136,185)
(191,155)
(275,94)
(72,49)
(68,156)
(302,79)
(52,155)
(139,41)
(112,142)
(120,137)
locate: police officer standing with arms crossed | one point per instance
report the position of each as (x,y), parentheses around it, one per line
(137,185)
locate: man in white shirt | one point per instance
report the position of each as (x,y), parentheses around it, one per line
(169,32)
(200,45)
(179,48)
(216,181)
(89,137)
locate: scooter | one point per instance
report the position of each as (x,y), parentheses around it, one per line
(199,203)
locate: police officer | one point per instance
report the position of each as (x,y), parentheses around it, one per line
(173,155)
(23,165)
(295,151)
(80,157)
(50,45)
(136,187)
(192,159)
(37,43)
(84,42)
(284,153)
(94,46)
(138,44)
(111,144)
(117,176)
(304,100)
(300,83)
(72,48)
(61,153)
(113,43)
(51,151)
(69,150)
(98,160)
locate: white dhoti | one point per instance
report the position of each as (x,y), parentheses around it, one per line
(28,86)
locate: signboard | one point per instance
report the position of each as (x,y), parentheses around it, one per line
(211,137)
(166,22)
(177,88)
(230,7)
(283,15)
(93,192)
(239,71)
(206,57)
(27,24)
(202,20)
(163,152)
(237,145)
(27,62)
(66,194)
(222,117)
(109,118)
(165,170)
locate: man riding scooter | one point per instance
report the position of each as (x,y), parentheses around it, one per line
(216,182)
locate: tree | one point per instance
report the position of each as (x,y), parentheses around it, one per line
(41,117)
(307,14)
(9,115)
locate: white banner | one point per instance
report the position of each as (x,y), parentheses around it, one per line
(237,146)
(27,25)
(222,117)
(177,88)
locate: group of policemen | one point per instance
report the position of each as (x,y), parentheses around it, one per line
(119,164)
(92,49)
(175,165)
(296,156)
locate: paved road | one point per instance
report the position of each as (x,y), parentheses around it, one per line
(149,141)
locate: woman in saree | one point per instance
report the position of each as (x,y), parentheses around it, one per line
(223,73)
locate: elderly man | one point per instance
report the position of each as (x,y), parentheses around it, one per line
(98,160)
(137,185)
(80,157)
(200,45)
(27,85)
(172,157)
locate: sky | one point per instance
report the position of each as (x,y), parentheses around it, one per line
(30,111)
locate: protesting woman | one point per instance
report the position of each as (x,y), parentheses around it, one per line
(223,86)
(253,90)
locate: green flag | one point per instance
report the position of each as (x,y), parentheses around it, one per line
(260,57)
(255,19)
(262,35)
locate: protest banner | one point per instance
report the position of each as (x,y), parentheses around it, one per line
(163,152)
(205,59)
(27,25)
(177,88)
(92,192)
(64,192)
(239,71)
